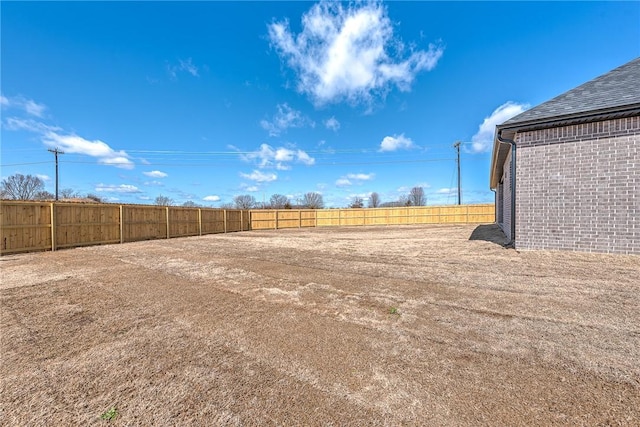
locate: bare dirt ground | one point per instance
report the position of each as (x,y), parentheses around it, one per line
(334,326)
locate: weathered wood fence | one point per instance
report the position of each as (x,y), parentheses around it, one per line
(38,226)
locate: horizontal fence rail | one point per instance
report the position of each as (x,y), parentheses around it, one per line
(39,226)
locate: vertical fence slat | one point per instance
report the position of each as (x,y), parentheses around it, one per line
(121,224)
(53,226)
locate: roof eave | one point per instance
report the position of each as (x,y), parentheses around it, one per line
(509,130)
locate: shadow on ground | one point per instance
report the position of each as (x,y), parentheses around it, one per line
(489,233)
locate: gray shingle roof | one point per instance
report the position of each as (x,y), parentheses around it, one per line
(616,89)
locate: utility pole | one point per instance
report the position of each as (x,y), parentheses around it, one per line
(457,146)
(56,152)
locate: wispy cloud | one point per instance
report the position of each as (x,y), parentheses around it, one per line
(279,158)
(211,198)
(354,179)
(482,141)
(44,177)
(349,52)
(396,142)
(54,137)
(186,66)
(122,188)
(332,124)
(447,191)
(26,105)
(285,118)
(259,176)
(155,174)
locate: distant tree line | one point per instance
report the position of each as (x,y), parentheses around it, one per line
(29,187)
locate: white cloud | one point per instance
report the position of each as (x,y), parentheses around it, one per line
(361,176)
(482,141)
(75,144)
(44,177)
(183,65)
(122,188)
(332,124)
(343,182)
(54,137)
(349,52)
(447,191)
(155,174)
(29,106)
(304,158)
(354,179)
(154,184)
(396,142)
(268,156)
(211,198)
(285,118)
(258,176)
(252,189)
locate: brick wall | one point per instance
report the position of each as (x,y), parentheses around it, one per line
(578,187)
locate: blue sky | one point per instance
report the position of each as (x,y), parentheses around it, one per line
(204,101)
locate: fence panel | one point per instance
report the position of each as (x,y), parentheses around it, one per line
(235,220)
(263,220)
(86,224)
(25,227)
(144,222)
(328,217)
(183,222)
(212,221)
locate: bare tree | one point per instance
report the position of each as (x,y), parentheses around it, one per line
(278,201)
(163,201)
(313,201)
(95,198)
(68,193)
(190,204)
(244,201)
(374,200)
(227,206)
(417,197)
(357,203)
(21,187)
(44,195)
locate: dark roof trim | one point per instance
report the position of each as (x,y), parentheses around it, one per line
(509,131)
(578,118)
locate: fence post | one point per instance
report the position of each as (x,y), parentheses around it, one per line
(467,214)
(53,227)
(276,212)
(199,222)
(339,219)
(121,224)
(224,216)
(167,213)
(315,218)
(241,221)
(299,218)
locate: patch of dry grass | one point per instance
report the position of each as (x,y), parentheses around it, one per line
(295,327)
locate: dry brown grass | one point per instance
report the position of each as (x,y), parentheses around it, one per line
(294,328)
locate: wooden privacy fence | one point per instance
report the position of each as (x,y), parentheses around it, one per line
(463,214)
(37,226)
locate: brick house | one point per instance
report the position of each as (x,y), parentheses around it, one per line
(567,172)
